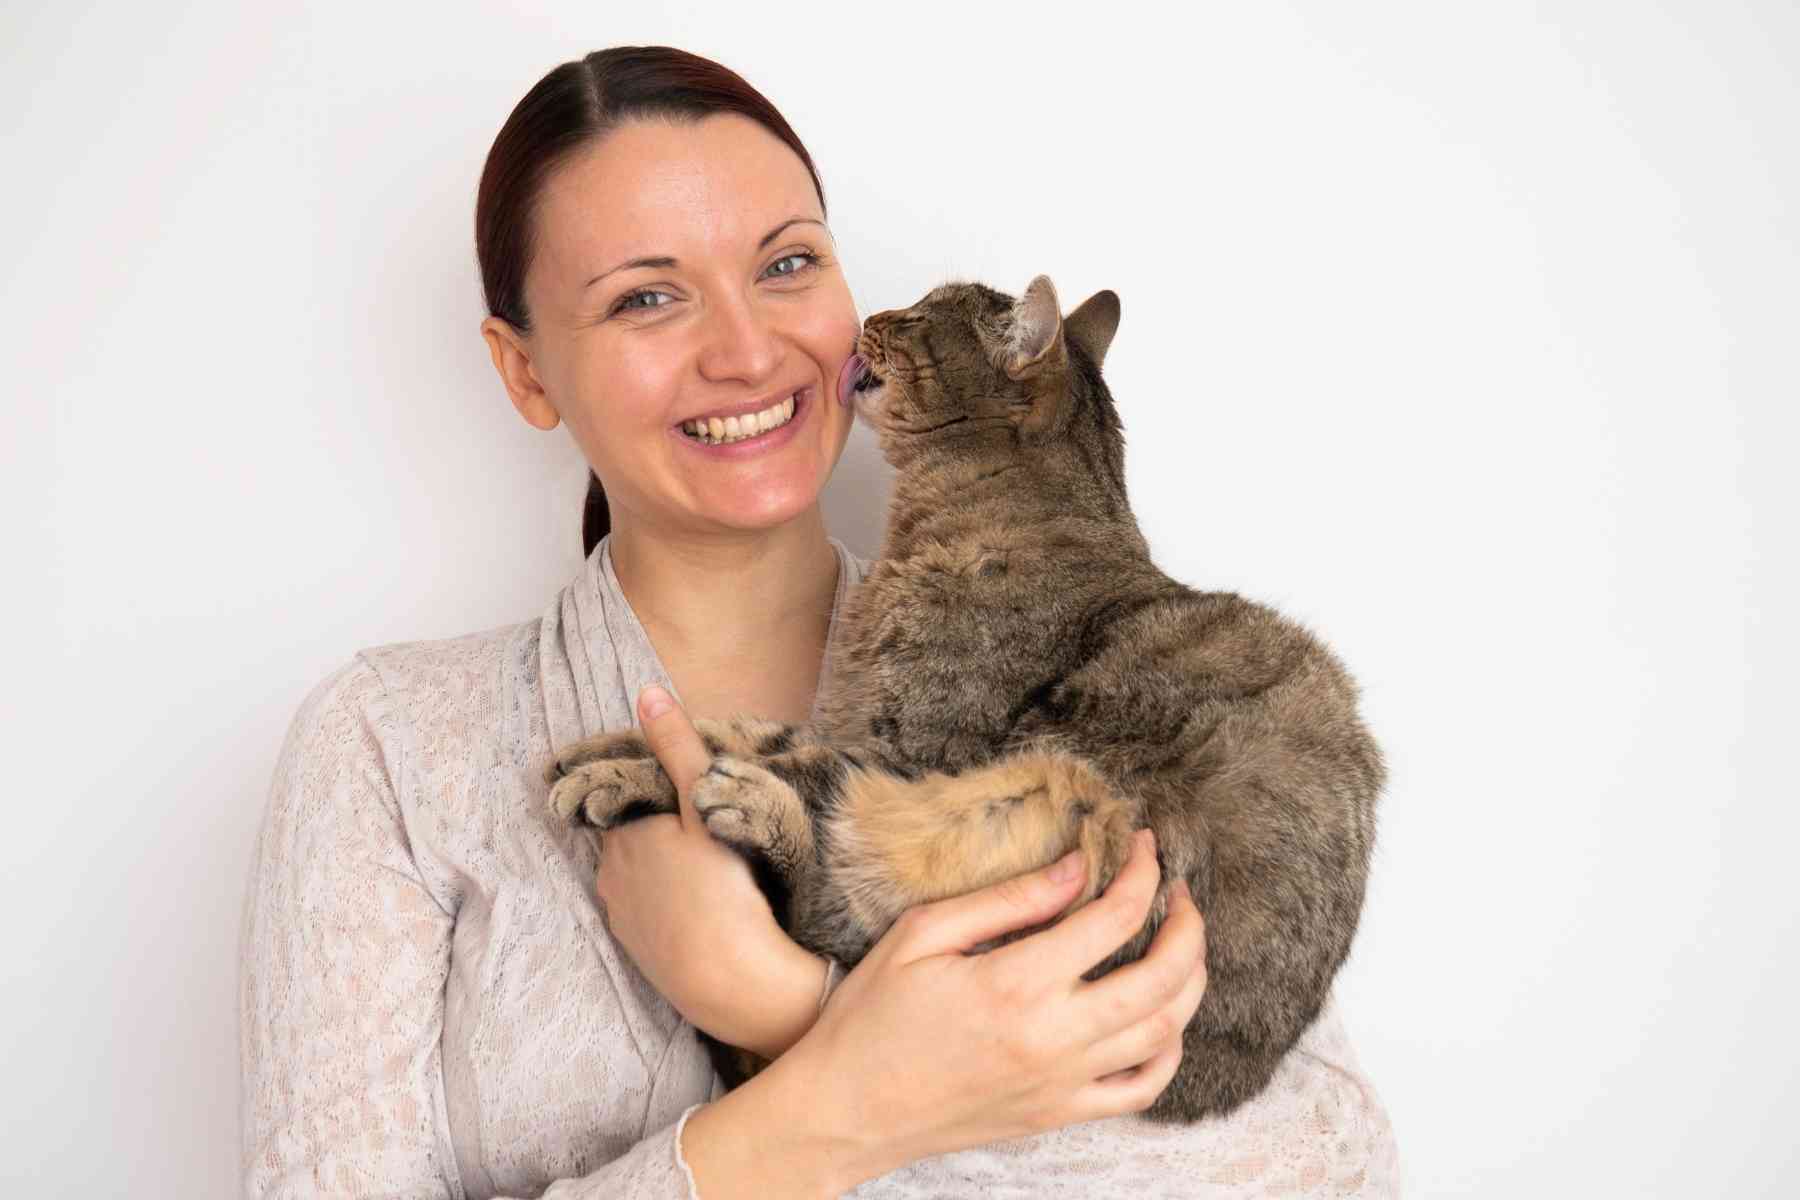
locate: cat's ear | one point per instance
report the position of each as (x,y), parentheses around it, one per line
(1093,324)
(1035,343)
(1036,356)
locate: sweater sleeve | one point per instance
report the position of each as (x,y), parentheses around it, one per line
(343,960)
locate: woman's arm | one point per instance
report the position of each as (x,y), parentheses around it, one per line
(687,910)
(925,1048)
(343,962)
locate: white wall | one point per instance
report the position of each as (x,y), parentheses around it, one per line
(1464,333)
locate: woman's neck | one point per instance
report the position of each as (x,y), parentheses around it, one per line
(752,608)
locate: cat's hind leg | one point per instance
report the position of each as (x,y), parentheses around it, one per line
(898,842)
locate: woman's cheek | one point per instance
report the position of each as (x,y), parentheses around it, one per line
(834,319)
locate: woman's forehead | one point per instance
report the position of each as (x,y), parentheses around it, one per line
(655,188)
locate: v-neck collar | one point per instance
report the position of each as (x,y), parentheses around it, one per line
(611,657)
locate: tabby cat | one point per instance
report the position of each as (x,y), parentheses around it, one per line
(1015,678)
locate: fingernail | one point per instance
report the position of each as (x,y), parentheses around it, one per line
(654,701)
(1066,867)
(1147,840)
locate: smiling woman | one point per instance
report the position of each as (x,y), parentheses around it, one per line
(650,209)
(691,295)
(447,992)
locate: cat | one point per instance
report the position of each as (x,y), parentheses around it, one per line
(1015,678)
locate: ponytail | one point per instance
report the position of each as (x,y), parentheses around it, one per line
(596,517)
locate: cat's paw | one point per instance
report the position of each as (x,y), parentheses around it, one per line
(746,806)
(605,792)
(1105,823)
(626,744)
(1026,812)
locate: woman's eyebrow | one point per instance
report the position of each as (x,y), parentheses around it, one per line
(663,260)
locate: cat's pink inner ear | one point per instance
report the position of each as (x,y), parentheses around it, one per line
(1037,328)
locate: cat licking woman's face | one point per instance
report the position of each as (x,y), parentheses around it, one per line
(689,323)
(969,363)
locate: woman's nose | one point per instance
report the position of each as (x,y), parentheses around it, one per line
(741,343)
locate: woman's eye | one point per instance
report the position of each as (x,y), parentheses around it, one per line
(646,299)
(629,300)
(803,258)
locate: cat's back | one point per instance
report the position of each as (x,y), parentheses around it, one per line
(981,642)
(943,644)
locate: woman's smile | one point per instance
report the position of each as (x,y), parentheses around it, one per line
(750,429)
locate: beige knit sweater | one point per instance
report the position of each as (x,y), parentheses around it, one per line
(431,1004)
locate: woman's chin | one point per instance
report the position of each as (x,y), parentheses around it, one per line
(762,493)
(763,507)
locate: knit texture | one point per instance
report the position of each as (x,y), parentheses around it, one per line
(431,1004)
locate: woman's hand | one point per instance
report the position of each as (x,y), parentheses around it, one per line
(925,1049)
(688,912)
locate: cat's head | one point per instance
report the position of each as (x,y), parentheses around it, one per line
(968,360)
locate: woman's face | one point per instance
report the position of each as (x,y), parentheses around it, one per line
(683,272)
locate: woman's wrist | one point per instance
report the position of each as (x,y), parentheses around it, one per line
(791,1002)
(775,1136)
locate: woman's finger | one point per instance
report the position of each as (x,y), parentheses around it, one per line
(1136,991)
(1143,1040)
(960,923)
(1131,1090)
(1094,931)
(676,744)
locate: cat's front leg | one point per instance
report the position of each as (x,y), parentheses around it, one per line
(611,778)
(735,735)
(608,785)
(769,808)
(755,811)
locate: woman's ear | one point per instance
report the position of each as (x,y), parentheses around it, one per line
(512,359)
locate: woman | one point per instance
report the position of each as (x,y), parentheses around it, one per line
(433,1002)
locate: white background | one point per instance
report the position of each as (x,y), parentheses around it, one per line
(1465,333)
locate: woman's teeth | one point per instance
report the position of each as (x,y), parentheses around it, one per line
(716,432)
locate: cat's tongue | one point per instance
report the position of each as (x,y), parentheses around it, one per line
(853,368)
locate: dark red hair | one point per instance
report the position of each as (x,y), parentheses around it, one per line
(567,109)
